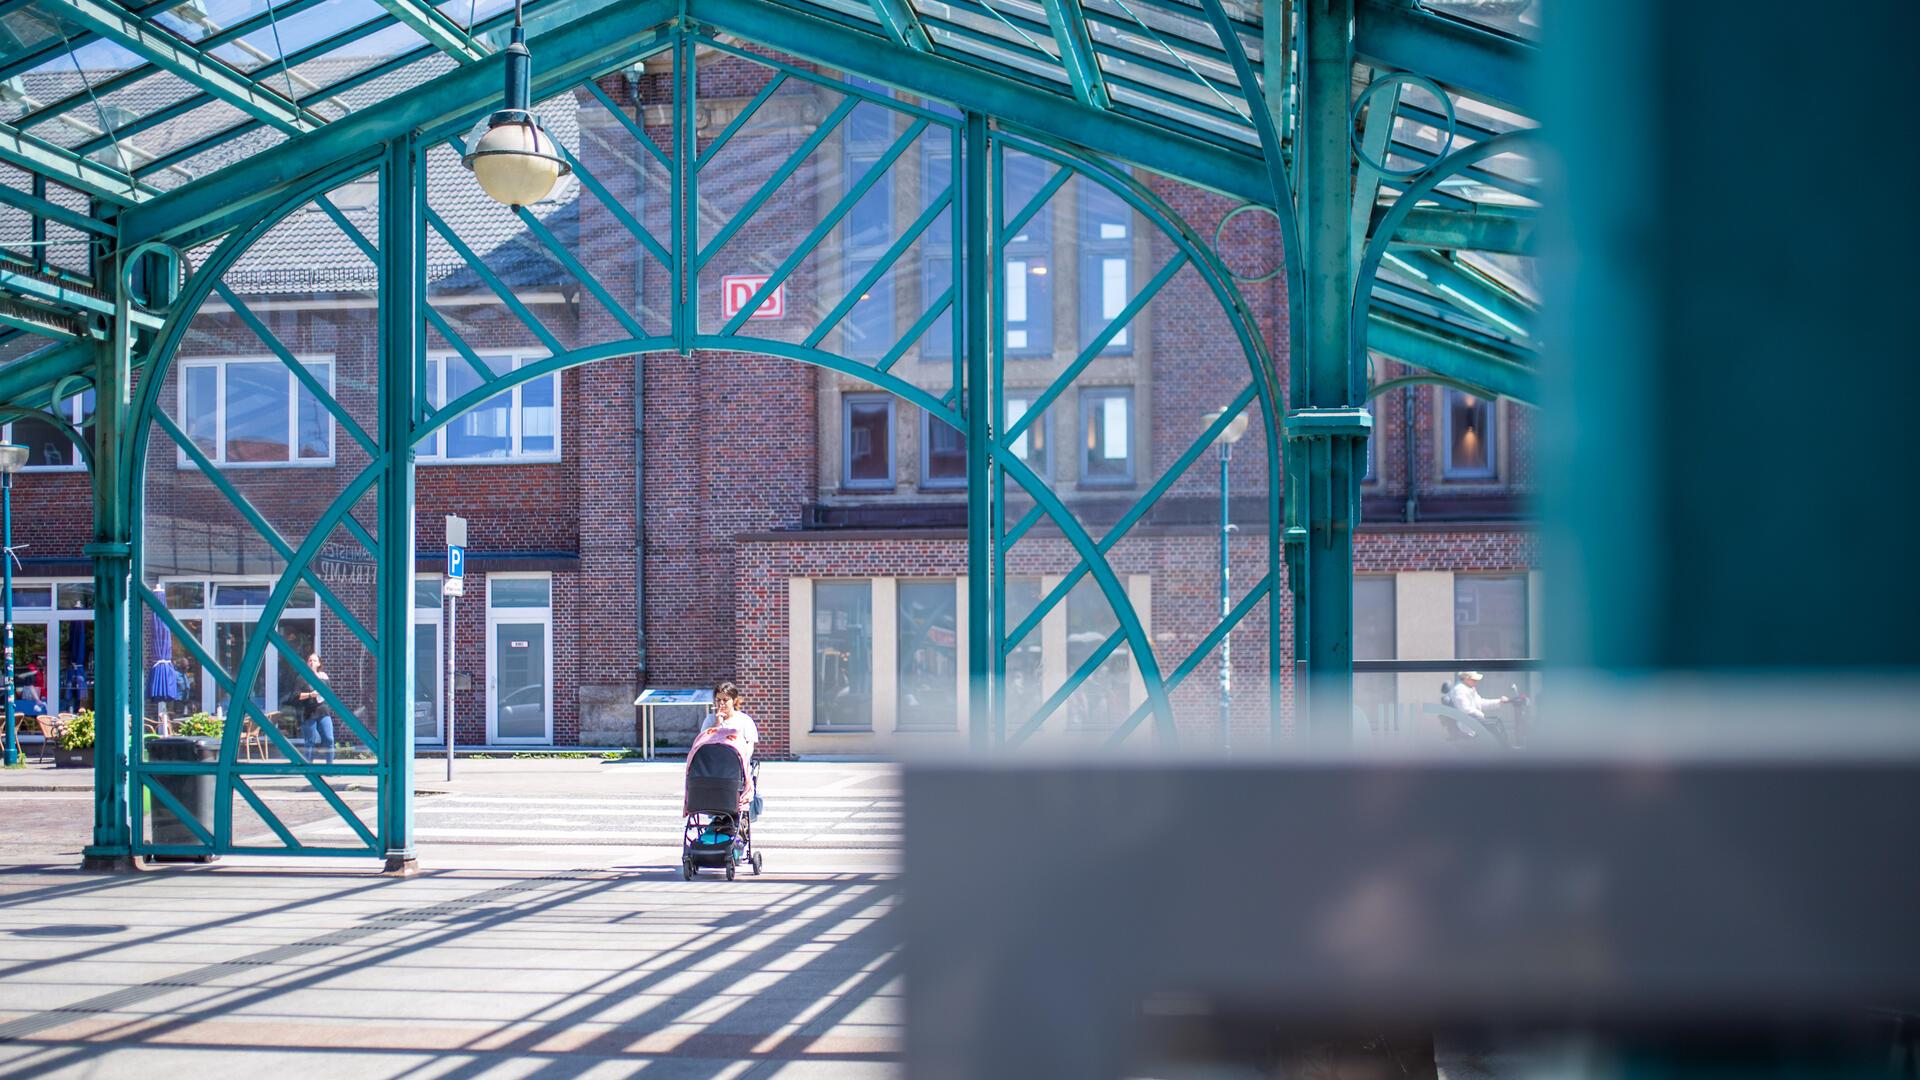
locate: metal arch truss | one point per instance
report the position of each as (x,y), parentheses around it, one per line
(1165,86)
(957,215)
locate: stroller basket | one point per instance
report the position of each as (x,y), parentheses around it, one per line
(712,795)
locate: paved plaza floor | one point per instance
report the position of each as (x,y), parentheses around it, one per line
(548,935)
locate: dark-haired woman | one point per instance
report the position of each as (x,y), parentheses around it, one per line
(727,713)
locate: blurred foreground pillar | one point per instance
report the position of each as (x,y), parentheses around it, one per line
(1732,342)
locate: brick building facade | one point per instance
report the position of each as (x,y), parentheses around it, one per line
(789,526)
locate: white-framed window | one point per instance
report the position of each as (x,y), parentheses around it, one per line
(429,662)
(1032,445)
(1106,264)
(53,643)
(50,449)
(943,454)
(518,424)
(866,441)
(1106,427)
(254,412)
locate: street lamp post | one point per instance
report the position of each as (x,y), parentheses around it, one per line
(1228,436)
(12,457)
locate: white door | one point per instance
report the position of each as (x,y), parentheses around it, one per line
(519,659)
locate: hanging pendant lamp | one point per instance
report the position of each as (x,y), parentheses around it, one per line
(515,162)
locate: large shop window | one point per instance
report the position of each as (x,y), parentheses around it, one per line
(943,454)
(49,449)
(1106,422)
(1105,698)
(1471,450)
(254,411)
(843,656)
(223,616)
(1374,638)
(929,637)
(53,641)
(1025,675)
(1106,261)
(1490,616)
(517,424)
(866,435)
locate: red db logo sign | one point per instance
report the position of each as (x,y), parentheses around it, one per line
(736,291)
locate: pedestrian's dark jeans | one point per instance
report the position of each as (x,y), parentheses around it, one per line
(318,731)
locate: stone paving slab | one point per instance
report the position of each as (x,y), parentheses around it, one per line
(475,971)
(577,951)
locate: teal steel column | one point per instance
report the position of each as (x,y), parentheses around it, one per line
(976,311)
(686,190)
(402,287)
(1331,479)
(115,733)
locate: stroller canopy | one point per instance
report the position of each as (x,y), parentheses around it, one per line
(723,754)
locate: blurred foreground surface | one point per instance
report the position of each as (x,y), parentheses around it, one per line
(1732,898)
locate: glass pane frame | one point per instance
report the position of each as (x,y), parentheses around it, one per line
(299,402)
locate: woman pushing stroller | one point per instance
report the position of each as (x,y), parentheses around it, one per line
(721,801)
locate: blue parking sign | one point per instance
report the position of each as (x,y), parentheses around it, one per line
(456,562)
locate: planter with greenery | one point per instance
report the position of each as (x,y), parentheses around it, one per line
(73,746)
(201,723)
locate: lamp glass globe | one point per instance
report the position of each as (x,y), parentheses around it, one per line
(515,166)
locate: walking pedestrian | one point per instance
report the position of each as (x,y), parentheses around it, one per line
(316,723)
(727,713)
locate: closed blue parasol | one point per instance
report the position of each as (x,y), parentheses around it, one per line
(163,682)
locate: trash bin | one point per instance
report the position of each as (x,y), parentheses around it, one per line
(193,791)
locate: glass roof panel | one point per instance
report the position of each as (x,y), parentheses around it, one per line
(289,35)
(184,130)
(856,10)
(469,13)
(252,138)
(106,114)
(63,75)
(405,78)
(1034,44)
(384,45)
(1518,18)
(1519,274)
(971,43)
(197,20)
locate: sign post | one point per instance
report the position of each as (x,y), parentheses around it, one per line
(456,587)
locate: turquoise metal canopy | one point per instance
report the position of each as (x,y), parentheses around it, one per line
(149,156)
(165,121)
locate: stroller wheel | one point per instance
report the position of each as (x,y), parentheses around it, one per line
(756,864)
(686,869)
(729,872)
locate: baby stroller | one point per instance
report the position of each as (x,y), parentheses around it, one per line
(719,819)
